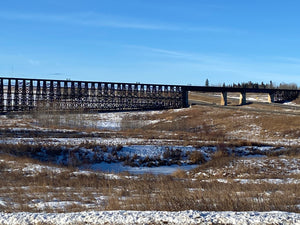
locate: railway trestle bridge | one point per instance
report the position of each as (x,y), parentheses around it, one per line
(24,94)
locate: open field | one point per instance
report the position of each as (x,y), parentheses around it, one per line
(202,158)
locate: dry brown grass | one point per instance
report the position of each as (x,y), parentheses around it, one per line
(207,123)
(259,123)
(148,192)
(214,98)
(199,189)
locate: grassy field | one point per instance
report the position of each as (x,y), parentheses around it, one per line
(226,181)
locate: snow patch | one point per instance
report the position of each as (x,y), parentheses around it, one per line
(151,217)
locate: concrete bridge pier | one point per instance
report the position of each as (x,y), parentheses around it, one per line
(243,100)
(185,98)
(224,98)
(271,97)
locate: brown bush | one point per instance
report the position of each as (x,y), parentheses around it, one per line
(197,157)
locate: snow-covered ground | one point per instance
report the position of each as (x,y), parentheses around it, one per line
(151,217)
(280,171)
(287,166)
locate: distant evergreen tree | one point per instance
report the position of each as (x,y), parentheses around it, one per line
(206,83)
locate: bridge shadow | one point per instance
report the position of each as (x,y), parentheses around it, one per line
(247,103)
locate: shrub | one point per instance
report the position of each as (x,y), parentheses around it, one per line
(221,152)
(180,174)
(119,147)
(197,157)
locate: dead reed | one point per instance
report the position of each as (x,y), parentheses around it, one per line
(23,190)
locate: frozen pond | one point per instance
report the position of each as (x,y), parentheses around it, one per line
(118,167)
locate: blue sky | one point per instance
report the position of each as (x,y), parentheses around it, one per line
(151,41)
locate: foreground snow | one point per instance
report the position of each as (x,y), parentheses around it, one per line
(146,217)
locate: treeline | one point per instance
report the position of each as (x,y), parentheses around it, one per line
(262,85)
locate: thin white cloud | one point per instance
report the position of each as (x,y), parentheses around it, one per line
(213,59)
(213,29)
(160,51)
(113,21)
(87,19)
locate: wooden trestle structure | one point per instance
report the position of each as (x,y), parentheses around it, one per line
(20,94)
